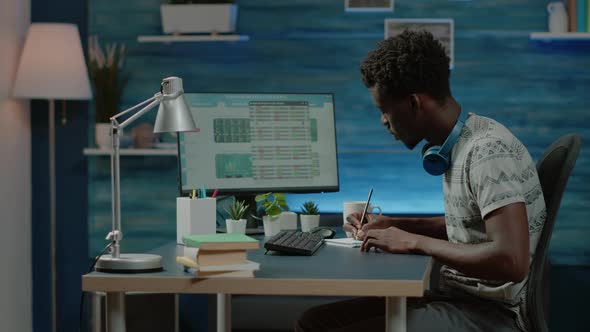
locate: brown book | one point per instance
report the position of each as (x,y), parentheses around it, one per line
(572,14)
(220,257)
(245,269)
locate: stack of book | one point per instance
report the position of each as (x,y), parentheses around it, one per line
(218,255)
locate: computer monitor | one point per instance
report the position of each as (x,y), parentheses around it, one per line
(252,143)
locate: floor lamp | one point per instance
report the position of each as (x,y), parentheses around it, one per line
(52,66)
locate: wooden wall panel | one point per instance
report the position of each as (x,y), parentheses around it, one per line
(539,92)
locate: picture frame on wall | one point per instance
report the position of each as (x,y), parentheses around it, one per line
(441,28)
(368,6)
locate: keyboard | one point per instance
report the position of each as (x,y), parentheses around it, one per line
(295,243)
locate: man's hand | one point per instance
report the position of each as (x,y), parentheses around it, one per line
(373,222)
(391,239)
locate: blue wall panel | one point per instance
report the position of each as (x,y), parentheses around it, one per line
(314,46)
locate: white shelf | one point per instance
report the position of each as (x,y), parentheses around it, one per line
(130,152)
(548,36)
(190,38)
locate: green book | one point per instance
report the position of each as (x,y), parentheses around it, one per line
(220,241)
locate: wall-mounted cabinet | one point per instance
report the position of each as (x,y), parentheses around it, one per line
(199,18)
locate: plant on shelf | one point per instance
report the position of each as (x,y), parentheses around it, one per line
(106,70)
(236,222)
(273,204)
(310,216)
(109,81)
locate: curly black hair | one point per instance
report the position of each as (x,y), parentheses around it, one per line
(411,62)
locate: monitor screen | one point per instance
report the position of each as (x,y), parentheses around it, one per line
(259,142)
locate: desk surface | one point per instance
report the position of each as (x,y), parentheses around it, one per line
(333,270)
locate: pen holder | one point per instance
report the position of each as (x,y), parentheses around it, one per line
(195,216)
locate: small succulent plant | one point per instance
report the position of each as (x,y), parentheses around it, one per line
(237,210)
(310,208)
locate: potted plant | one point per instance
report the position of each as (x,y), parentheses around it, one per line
(236,222)
(109,81)
(199,16)
(273,205)
(310,216)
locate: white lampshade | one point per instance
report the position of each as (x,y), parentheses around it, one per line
(52,64)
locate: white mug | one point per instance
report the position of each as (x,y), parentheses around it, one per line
(356,206)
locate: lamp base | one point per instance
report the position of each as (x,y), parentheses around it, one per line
(129,263)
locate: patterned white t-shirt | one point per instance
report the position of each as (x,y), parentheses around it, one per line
(490,169)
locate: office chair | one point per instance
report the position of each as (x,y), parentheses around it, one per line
(554,168)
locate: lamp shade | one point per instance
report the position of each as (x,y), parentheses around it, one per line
(52,64)
(174,115)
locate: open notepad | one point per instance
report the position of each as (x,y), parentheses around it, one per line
(344,242)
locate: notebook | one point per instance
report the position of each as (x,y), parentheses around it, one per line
(344,242)
(222,241)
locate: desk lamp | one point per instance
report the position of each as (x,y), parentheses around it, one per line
(173,116)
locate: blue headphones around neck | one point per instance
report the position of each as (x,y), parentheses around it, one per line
(437,159)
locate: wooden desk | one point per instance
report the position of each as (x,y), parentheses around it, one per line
(332,271)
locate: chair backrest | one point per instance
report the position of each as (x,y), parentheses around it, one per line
(554,168)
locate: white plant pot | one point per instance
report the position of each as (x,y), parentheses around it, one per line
(102,135)
(272,225)
(199,18)
(236,226)
(309,222)
(288,220)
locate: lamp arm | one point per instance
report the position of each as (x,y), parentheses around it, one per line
(132,108)
(154,101)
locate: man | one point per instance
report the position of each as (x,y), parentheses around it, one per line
(494,206)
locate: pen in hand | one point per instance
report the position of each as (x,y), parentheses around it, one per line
(366,207)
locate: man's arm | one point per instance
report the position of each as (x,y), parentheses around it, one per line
(504,257)
(433,226)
